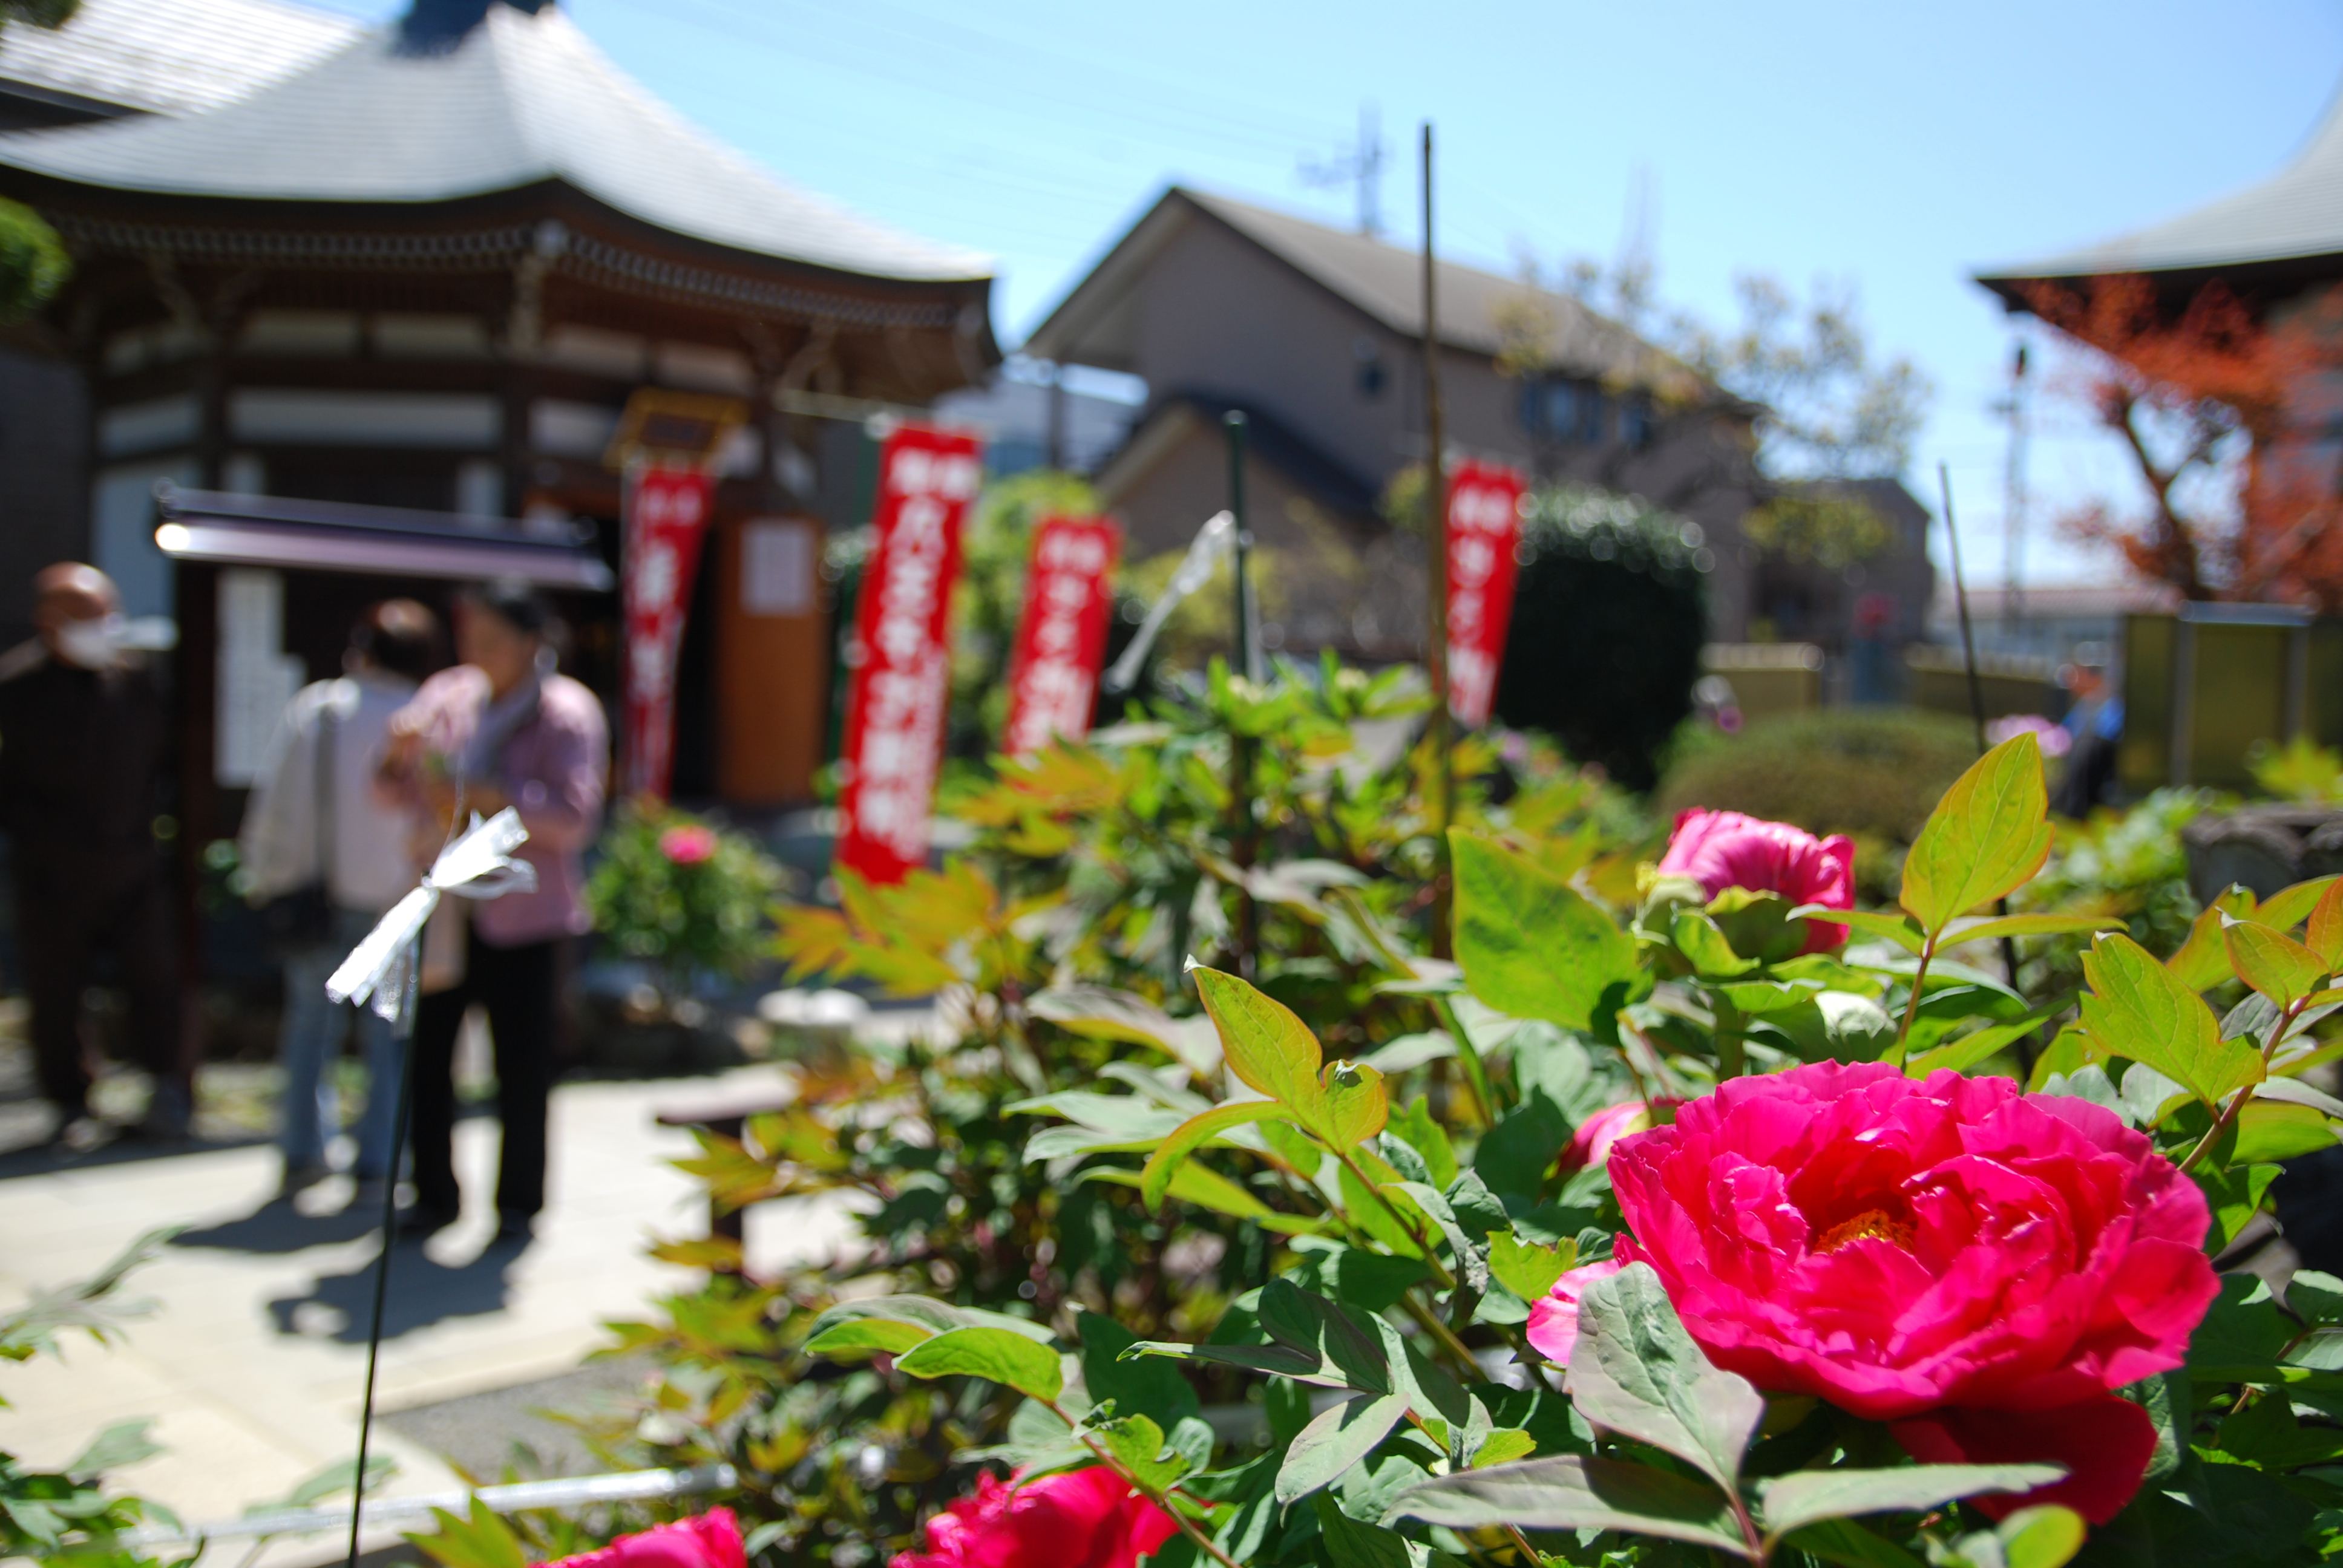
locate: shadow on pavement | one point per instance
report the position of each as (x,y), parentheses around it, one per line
(277,1227)
(421,1293)
(49,1159)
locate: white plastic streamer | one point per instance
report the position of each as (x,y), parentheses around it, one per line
(478,865)
(1213,540)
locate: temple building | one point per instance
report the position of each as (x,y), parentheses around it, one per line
(381,311)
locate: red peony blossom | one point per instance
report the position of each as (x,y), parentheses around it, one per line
(1591,1144)
(1720,850)
(1978,1267)
(1077,1519)
(1554,1317)
(709,1540)
(688,844)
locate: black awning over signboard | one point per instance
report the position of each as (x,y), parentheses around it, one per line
(215,529)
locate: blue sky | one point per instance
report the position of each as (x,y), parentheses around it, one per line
(1898,145)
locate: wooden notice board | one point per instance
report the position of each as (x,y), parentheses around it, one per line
(772,672)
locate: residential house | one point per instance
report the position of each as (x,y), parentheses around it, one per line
(1316,335)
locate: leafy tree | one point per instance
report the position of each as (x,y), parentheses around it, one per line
(33,261)
(2205,400)
(1826,406)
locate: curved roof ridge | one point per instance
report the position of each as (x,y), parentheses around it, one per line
(523,100)
(2295,213)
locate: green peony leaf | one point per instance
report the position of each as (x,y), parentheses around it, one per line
(2137,1008)
(1532,947)
(867,1334)
(1990,833)
(1807,1496)
(2202,961)
(1137,1444)
(1338,1439)
(1503,1446)
(1636,1372)
(1010,1360)
(1568,1493)
(2289,906)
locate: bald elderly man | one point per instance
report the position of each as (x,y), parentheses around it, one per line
(82,732)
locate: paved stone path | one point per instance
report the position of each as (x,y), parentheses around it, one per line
(254,1360)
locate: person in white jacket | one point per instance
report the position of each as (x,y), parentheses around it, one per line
(301,831)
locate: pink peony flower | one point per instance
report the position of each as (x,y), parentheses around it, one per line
(688,844)
(709,1540)
(1720,850)
(1591,1144)
(1978,1267)
(1554,1317)
(1077,1519)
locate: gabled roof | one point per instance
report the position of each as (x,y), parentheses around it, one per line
(521,100)
(2294,215)
(1089,326)
(169,56)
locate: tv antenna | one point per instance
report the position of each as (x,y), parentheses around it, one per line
(1361,165)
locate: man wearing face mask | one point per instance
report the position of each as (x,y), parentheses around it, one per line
(83,740)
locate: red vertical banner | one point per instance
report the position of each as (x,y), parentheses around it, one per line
(1062,638)
(1485,531)
(901,653)
(663,519)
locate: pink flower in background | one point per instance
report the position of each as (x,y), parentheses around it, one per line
(1591,1144)
(2051,734)
(1077,1519)
(1978,1267)
(1720,850)
(709,1540)
(688,844)
(1554,1317)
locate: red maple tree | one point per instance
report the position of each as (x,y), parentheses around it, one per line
(2220,408)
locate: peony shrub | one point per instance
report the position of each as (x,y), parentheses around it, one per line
(1692,1214)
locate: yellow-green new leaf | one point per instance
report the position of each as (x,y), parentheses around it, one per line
(2277,966)
(1526,1269)
(2285,909)
(1502,1446)
(1989,835)
(1993,927)
(2203,961)
(2139,1009)
(1267,1046)
(1012,1360)
(2324,936)
(1351,1107)
(1155,1179)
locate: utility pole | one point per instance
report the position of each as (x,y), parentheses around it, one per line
(1435,548)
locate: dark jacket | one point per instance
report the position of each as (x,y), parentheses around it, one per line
(81,759)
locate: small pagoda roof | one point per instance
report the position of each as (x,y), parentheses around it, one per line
(2281,227)
(518,100)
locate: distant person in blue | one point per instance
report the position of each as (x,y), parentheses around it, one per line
(2096,723)
(314,822)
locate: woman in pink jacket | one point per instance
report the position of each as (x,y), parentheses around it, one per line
(502,728)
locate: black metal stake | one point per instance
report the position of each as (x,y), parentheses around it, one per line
(404,1035)
(1977,691)
(1248,664)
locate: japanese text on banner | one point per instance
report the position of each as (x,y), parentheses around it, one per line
(902,651)
(1485,530)
(664,519)
(1061,638)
